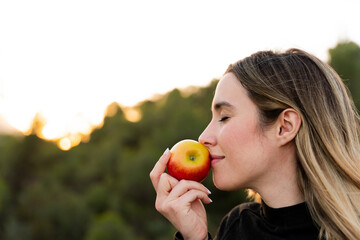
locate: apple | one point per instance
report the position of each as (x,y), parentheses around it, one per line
(189,160)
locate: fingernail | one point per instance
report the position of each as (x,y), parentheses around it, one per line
(208,191)
(166,151)
(210,200)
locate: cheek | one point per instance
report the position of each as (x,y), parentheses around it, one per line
(239,135)
(240,145)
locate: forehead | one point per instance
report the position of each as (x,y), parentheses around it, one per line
(230,90)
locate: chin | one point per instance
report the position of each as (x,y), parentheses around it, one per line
(223,184)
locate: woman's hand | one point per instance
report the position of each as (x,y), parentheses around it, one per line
(180,201)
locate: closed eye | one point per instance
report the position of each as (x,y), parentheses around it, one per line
(223,119)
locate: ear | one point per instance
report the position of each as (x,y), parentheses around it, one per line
(288,125)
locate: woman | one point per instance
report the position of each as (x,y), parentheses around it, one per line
(285,126)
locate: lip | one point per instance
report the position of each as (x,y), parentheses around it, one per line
(215,159)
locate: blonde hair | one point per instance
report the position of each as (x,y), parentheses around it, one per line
(327,143)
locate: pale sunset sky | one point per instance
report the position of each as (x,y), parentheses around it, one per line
(67,60)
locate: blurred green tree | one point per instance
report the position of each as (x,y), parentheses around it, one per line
(345,59)
(101,189)
(109,226)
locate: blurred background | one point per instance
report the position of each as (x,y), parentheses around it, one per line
(93,92)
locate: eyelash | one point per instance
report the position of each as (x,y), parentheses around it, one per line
(223,119)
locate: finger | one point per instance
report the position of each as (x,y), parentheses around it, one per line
(184,186)
(159,168)
(165,186)
(193,195)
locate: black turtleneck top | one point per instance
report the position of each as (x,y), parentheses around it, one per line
(259,221)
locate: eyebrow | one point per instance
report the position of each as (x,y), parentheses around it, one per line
(222,104)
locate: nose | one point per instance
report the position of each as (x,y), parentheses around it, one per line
(207,137)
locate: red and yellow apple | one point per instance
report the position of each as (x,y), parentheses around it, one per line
(189,160)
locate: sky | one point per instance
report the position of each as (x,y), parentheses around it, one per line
(68,60)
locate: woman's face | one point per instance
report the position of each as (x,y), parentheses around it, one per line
(241,152)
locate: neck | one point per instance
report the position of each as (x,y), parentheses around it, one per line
(280,188)
(282,197)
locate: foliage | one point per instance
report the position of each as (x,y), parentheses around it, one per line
(345,59)
(101,189)
(109,226)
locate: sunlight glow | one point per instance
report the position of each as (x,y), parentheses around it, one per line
(65,144)
(132,114)
(69,69)
(51,131)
